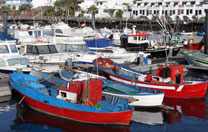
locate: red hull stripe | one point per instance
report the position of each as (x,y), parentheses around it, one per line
(113,118)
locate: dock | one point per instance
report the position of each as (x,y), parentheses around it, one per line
(5,91)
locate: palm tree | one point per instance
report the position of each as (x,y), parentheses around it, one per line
(67,6)
(5,9)
(93,10)
(119,14)
(50,11)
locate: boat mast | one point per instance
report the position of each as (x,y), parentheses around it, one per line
(206,33)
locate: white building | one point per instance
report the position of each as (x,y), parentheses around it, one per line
(182,9)
(34,3)
(104,6)
(39,3)
(15,4)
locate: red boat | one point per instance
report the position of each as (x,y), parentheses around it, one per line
(193,46)
(168,79)
(84,104)
(193,42)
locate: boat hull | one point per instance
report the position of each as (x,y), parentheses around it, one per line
(79,116)
(153,100)
(193,46)
(186,91)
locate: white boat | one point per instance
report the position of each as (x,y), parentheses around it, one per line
(139,97)
(118,55)
(10,59)
(44,55)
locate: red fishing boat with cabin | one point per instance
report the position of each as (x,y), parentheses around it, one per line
(168,79)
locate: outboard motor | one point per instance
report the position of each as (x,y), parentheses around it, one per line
(124,40)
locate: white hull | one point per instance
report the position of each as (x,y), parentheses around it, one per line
(142,100)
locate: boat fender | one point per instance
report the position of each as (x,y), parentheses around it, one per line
(148,78)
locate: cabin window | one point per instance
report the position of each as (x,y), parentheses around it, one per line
(70,48)
(52,49)
(47,33)
(41,49)
(104,51)
(31,49)
(30,33)
(4,49)
(2,62)
(59,31)
(13,48)
(63,94)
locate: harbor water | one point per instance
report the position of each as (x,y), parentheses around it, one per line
(174,116)
(189,116)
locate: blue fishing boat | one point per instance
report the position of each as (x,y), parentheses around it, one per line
(137,97)
(79,101)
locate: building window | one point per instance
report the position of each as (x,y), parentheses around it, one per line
(183,3)
(200,12)
(193,2)
(187,12)
(191,11)
(171,13)
(196,12)
(175,3)
(166,12)
(174,12)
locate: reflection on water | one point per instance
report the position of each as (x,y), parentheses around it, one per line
(27,117)
(177,115)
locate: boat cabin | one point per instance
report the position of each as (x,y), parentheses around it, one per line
(66,95)
(172,73)
(38,49)
(8,48)
(9,55)
(85,91)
